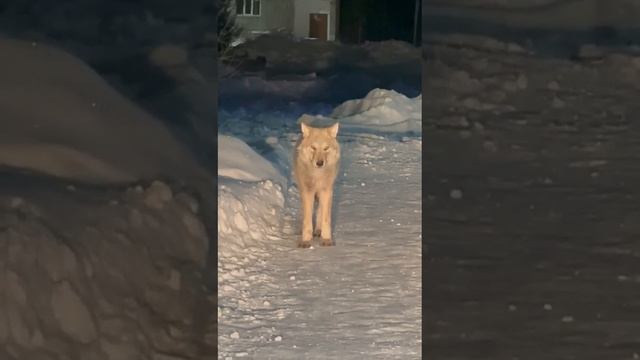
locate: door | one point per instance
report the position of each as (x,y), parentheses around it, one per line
(318,26)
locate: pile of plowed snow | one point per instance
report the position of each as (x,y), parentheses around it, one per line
(383,110)
(237,160)
(250,197)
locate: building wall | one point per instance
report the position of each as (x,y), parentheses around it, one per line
(274,15)
(305,7)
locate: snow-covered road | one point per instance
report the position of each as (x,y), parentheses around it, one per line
(360,299)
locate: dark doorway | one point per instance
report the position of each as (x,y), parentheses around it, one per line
(318,26)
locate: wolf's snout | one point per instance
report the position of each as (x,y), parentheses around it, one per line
(320,163)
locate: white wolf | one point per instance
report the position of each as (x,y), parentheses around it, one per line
(315,166)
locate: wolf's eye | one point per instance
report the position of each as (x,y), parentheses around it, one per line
(313,148)
(326,148)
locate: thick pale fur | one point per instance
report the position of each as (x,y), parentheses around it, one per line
(315,166)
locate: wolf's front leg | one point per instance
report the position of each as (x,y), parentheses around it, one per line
(325,198)
(317,229)
(307,222)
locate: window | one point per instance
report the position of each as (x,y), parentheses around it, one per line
(248,7)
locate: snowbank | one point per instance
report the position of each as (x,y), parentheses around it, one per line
(250,197)
(78,261)
(63,119)
(391,52)
(382,110)
(304,56)
(321,71)
(247,215)
(475,42)
(124,44)
(281,92)
(236,160)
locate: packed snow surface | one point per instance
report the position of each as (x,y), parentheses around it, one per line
(357,300)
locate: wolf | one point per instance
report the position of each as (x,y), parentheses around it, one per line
(315,167)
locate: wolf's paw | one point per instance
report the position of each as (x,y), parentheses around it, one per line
(326,242)
(304,244)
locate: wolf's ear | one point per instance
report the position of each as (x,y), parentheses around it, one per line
(305,129)
(333,130)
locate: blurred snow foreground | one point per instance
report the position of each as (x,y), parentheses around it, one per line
(90,223)
(61,118)
(251,189)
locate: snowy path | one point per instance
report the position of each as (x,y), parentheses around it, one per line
(357,300)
